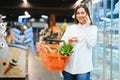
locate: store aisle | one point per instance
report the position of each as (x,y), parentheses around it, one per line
(37,71)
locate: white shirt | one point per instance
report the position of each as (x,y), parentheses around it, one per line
(81,59)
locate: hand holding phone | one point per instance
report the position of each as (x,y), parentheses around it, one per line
(87,19)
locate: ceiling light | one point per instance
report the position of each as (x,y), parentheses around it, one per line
(25,1)
(73,16)
(26,13)
(24,16)
(41,20)
(3,17)
(32,20)
(78,2)
(44,16)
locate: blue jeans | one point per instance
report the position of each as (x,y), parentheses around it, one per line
(68,76)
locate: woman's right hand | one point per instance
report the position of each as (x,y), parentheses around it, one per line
(86,19)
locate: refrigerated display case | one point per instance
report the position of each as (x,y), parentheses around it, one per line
(16,64)
(13,58)
(106,54)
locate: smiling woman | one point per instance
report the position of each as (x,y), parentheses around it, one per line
(82,15)
(84,38)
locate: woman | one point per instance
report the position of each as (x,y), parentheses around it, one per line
(83,36)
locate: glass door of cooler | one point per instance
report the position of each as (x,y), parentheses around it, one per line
(106,55)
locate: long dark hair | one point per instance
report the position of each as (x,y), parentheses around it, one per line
(86,9)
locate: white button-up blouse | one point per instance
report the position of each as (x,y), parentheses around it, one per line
(81,59)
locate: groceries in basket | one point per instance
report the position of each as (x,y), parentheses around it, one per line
(56,59)
(66,49)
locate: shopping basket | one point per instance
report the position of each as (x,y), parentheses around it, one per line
(53,61)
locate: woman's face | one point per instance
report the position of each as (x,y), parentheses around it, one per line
(81,15)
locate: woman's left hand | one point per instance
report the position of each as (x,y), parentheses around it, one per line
(73,39)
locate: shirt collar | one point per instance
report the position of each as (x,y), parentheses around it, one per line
(82,26)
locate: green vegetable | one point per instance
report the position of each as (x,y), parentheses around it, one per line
(66,49)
